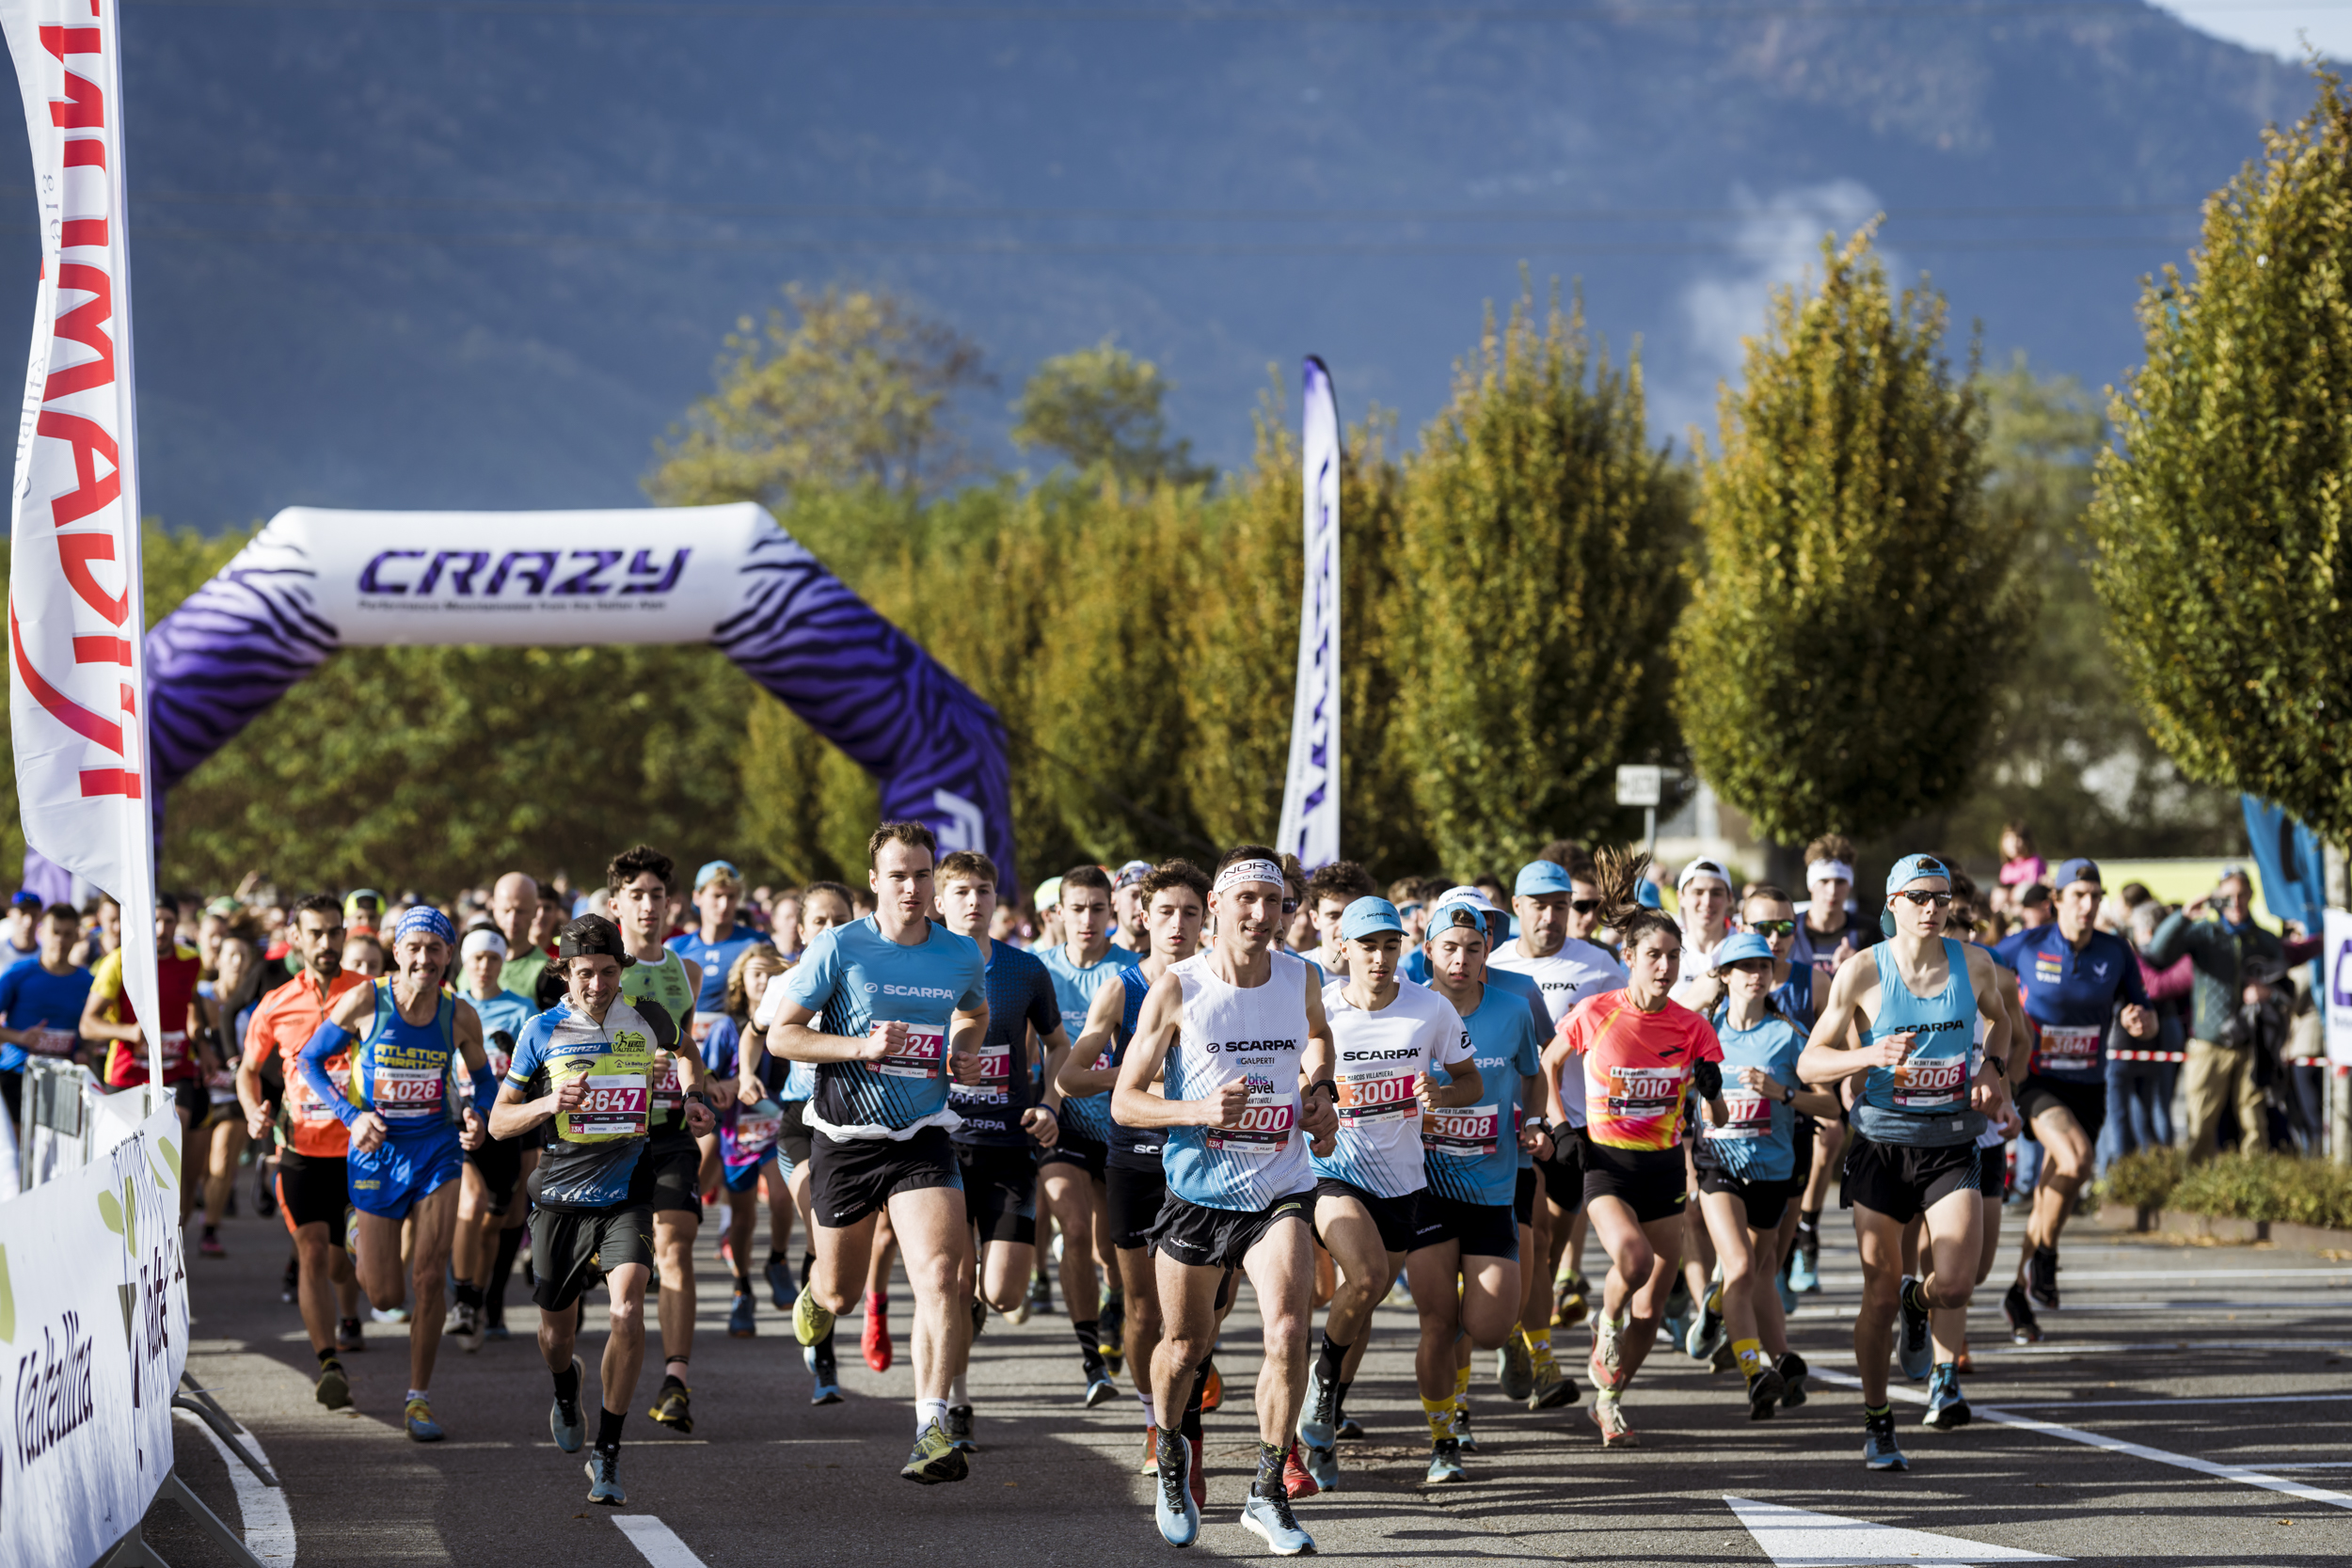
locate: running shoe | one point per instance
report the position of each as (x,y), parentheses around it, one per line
(1608,1358)
(1787,1296)
(1151,1465)
(349,1341)
(1445,1464)
(1915,1347)
(1764,1391)
(670,1407)
(604,1477)
(874,1338)
(1792,1375)
(960,1428)
(1110,1333)
(739,1323)
(826,1389)
(1514,1368)
(1172,1505)
(564,1423)
(1100,1391)
(1298,1482)
(496,1332)
(2023,1326)
(980,1316)
(1609,1415)
(935,1458)
(1322,1463)
(1804,1265)
(1679,1313)
(1351,1429)
(1726,1359)
(208,1244)
(423,1428)
(467,1330)
(1212,1387)
(810,1321)
(1553,1389)
(1318,1417)
(2041,1278)
(1706,1334)
(1947,1408)
(1462,1428)
(1880,1450)
(334,1386)
(780,1290)
(388,1314)
(1572,1302)
(292,1287)
(1269,1518)
(1040,1293)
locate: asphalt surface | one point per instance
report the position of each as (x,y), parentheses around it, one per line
(2197,1388)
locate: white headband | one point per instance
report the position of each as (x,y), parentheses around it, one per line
(483,940)
(1829,871)
(1249,871)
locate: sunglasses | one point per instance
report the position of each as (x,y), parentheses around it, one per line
(1922,900)
(1772,928)
(1583,906)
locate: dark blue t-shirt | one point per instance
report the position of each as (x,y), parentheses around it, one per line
(2070,996)
(32,998)
(1019,998)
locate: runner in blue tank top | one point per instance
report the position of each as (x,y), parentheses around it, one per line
(717,940)
(1915,1000)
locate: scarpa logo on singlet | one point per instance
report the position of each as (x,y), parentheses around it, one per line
(1229,1047)
(936,993)
(1942,1025)
(1381,1055)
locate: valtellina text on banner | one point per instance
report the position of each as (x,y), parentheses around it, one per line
(1310,789)
(77,678)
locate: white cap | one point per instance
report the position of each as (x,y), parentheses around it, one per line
(482,939)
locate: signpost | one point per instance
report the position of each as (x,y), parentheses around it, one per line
(1643,784)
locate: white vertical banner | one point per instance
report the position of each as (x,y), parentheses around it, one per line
(2335,957)
(1311,788)
(77,666)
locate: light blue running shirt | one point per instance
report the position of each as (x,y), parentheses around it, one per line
(1759,1142)
(1923,1104)
(1074,986)
(1470,1153)
(853,977)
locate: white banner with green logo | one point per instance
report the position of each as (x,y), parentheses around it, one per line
(93,1336)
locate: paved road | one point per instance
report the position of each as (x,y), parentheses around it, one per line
(2193,1391)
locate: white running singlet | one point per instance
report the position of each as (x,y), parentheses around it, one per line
(1579,970)
(1379,1057)
(1251,1036)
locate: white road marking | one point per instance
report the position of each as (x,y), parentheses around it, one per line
(1800,1538)
(269,1532)
(2100,1347)
(2313,1465)
(655,1540)
(2117,1404)
(2238,1473)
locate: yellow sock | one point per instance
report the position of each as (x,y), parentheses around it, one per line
(1540,1352)
(1715,1300)
(1440,1412)
(1461,1386)
(1750,1355)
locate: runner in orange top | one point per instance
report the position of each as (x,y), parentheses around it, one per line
(312,1191)
(1644,1053)
(108,1016)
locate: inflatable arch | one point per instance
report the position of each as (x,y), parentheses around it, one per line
(312,581)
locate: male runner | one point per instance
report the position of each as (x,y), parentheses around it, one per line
(1389,1042)
(107,1016)
(20,942)
(1329,891)
(1557,915)
(717,940)
(642,880)
(1914,999)
(1069,1173)
(41,999)
(489,1221)
(408,1137)
(583,1070)
(2075,978)
(1827,936)
(1127,906)
(1474,1220)
(1235,1030)
(313,1188)
(1004,1123)
(514,910)
(1175,899)
(902,1002)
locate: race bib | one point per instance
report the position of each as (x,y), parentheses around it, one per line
(703,1023)
(308,1107)
(51,1042)
(995,1082)
(1266,1122)
(175,1050)
(499,1046)
(922,1055)
(1751,1115)
(667,1095)
(1936,1084)
(1380,1098)
(1638,1092)
(2063,1048)
(407,1094)
(615,1108)
(1462,1131)
(757,1128)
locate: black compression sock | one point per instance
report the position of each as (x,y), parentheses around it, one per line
(609,1429)
(1089,1335)
(1192,1404)
(775,1256)
(673,1378)
(1339,1405)
(1915,1295)
(742,1284)
(327,1357)
(1329,1359)
(567,1384)
(1809,1219)
(468,1294)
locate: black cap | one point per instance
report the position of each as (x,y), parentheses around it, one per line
(591,935)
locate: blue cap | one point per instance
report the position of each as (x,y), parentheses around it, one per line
(1370,917)
(1911,869)
(1647,894)
(712,870)
(26,899)
(2079,869)
(1467,899)
(1537,878)
(1741,946)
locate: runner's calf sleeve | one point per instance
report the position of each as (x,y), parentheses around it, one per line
(568,1384)
(1330,1358)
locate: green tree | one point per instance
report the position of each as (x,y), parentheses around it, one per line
(808,808)
(2221,523)
(859,389)
(1858,604)
(1536,574)
(1102,407)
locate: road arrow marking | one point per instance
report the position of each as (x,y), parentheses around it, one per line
(1800,1538)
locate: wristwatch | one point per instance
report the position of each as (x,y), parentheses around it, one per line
(1325,1084)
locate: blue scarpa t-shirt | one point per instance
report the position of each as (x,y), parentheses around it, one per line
(852,977)
(1759,1142)
(716,958)
(1471,1152)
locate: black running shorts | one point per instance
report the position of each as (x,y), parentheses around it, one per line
(999,1191)
(573,1249)
(852,1178)
(1902,1180)
(1485,1229)
(1393,1215)
(500,1163)
(1767,1200)
(313,1189)
(1993,1171)
(1132,1200)
(795,1136)
(1649,1181)
(194,1100)
(1564,1172)
(1201,1237)
(1075,1148)
(2087,1102)
(1523,1197)
(677,1173)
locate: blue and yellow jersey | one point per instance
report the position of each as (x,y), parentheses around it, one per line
(401,1070)
(591,1155)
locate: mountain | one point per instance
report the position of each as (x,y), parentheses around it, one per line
(445,253)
